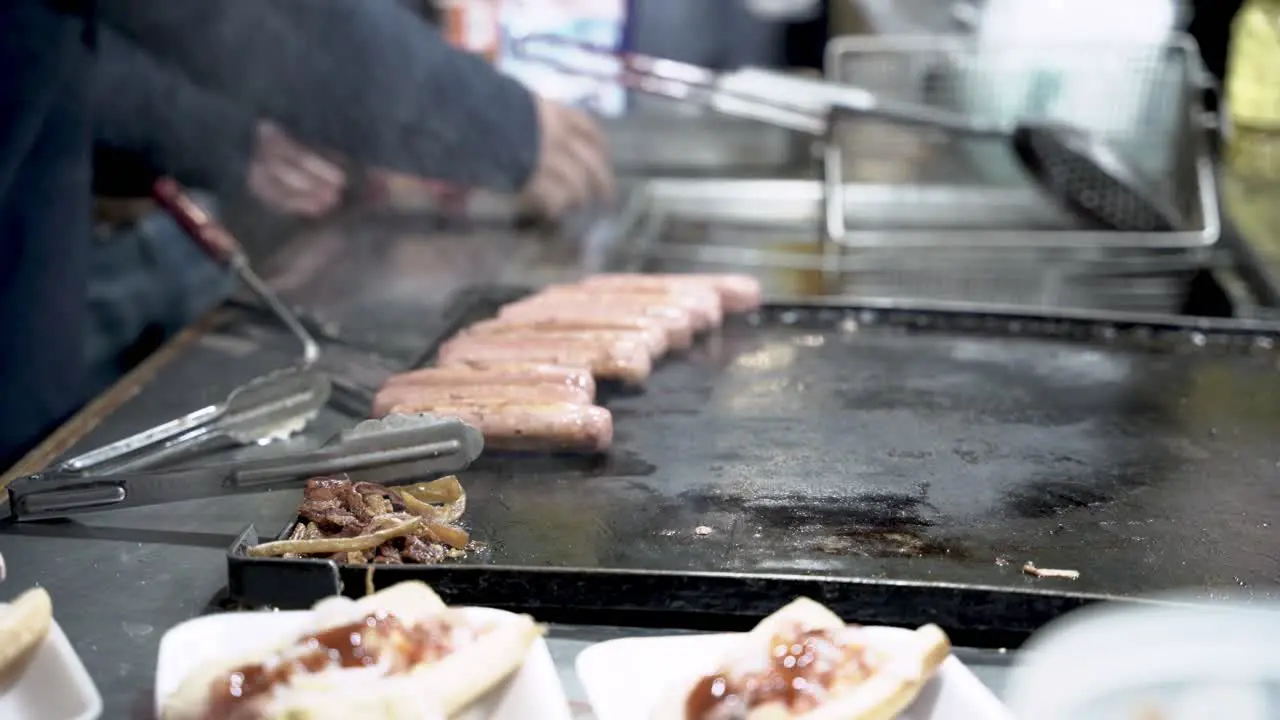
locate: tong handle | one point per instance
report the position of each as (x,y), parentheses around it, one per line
(201,438)
(139,441)
(55,495)
(341,463)
(212,237)
(41,497)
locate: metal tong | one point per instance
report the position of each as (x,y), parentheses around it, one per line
(1078,170)
(268,408)
(776,98)
(389,450)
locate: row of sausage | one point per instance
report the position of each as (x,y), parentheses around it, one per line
(528,377)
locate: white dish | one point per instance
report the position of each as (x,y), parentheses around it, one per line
(1167,661)
(534,691)
(53,686)
(625,679)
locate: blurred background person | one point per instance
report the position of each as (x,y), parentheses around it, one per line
(161,110)
(44,217)
(364,83)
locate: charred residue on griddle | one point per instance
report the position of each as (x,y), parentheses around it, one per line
(1050,498)
(909,454)
(886,542)
(891,397)
(624,463)
(875,525)
(631,413)
(616,463)
(803,511)
(660,403)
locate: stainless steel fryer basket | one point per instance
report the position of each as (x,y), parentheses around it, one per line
(1146,102)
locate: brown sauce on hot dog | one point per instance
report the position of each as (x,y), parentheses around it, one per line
(803,666)
(378,639)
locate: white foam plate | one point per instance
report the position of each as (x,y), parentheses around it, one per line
(625,679)
(1178,662)
(53,686)
(534,691)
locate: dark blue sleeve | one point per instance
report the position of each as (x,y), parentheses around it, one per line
(44,220)
(150,109)
(367,78)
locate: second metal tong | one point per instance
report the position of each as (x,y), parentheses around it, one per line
(268,408)
(1076,168)
(388,450)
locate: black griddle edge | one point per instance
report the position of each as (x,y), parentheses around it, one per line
(973,616)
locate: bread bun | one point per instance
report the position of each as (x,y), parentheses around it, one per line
(441,689)
(882,696)
(24,624)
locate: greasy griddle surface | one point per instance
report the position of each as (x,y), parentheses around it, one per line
(838,448)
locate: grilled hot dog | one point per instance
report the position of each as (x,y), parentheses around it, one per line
(617,360)
(738,293)
(702,302)
(422,398)
(678,322)
(553,426)
(653,335)
(475,373)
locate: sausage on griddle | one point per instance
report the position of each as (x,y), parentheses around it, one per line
(655,343)
(653,335)
(678,322)
(467,374)
(421,398)
(554,426)
(702,302)
(738,293)
(616,360)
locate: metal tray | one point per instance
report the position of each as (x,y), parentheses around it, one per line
(898,462)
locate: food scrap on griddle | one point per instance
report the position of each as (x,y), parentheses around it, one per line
(363,522)
(1030,569)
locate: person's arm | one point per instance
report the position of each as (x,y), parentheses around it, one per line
(154,112)
(368,79)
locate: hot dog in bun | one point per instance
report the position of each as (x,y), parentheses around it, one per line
(804,663)
(399,653)
(24,623)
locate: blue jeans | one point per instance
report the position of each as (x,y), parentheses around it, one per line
(146,282)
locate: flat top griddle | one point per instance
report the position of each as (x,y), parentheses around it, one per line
(843,451)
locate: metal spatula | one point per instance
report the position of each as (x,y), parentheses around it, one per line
(223,247)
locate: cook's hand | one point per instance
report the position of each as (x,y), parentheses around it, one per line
(573,167)
(289,178)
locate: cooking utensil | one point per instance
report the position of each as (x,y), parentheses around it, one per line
(222,246)
(267,408)
(1081,172)
(393,449)
(280,408)
(262,391)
